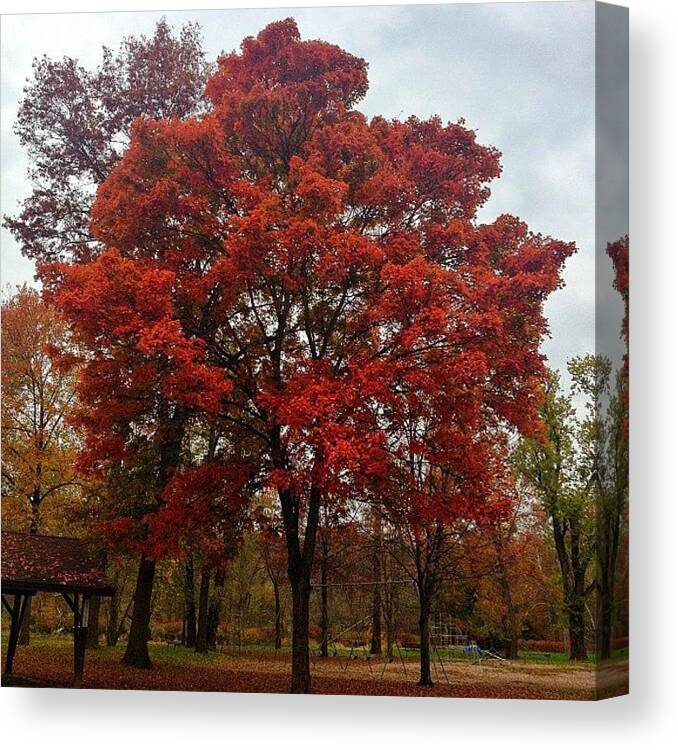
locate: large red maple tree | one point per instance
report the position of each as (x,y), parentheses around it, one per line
(289,266)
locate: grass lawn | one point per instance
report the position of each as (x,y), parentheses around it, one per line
(562,657)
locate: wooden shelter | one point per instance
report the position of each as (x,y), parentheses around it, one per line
(67,566)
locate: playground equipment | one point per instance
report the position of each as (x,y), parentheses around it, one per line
(446,634)
(449,643)
(360,648)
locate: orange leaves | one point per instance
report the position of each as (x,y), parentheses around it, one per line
(321,198)
(619,254)
(119,531)
(329,427)
(410,284)
(165,337)
(112,297)
(162,192)
(343,253)
(123,310)
(203,510)
(39,371)
(189,381)
(279,89)
(347,151)
(442,169)
(278,61)
(422,304)
(197,387)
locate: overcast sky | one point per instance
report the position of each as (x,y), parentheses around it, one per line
(521,74)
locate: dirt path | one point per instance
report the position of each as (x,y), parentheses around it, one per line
(577,681)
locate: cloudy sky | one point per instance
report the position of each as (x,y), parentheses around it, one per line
(521,74)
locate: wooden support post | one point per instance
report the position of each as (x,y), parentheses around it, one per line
(7,605)
(80,622)
(17,612)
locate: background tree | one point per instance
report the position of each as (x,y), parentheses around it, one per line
(604,459)
(434,496)
(190,622)
(377,572)
(75,123)
(203,515)
(612,466)
(243,578)
(38,444)
(337,533)
(503,563)
(274,556)
(38,395)
(553,467)
(274,560)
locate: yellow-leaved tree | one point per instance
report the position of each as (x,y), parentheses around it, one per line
(38,445)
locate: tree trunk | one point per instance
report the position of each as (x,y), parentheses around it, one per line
(300,559)
(608,547)
(375,645)
(301,668)
(171,435)
(35,499)
(576,628)
(424,642)
(92,640)
(203,602)
(577,603)
(278,615)
(324,608)
(214,610)
(136,653)
(573,572)
(389,599)
(274,577)
(112,624)
(511,649)
(605,625)
(511,645)
(189,603)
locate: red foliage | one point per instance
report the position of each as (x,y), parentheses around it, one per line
(619,253)
(202,511)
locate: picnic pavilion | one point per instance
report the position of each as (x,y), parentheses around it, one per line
(62,565)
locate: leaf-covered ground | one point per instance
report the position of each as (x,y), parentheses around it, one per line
(47,662)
